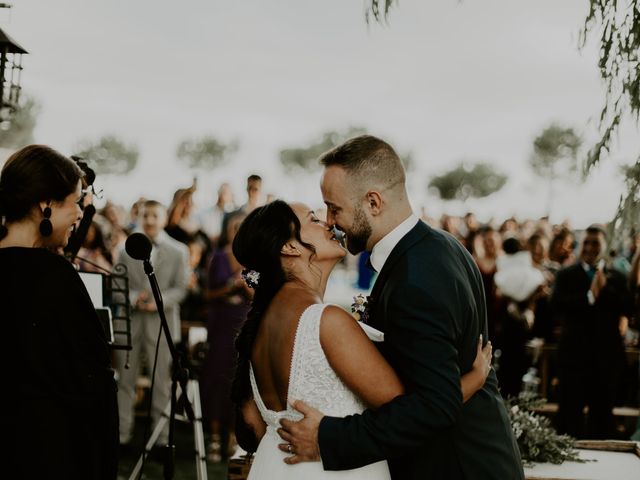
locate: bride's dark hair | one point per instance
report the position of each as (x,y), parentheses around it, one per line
(257,246)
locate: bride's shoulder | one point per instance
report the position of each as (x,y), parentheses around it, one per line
(336,321)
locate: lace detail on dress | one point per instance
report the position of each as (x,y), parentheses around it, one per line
(311,378)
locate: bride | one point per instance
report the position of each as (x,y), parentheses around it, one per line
(294,347)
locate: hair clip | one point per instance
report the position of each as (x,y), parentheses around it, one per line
(251,277)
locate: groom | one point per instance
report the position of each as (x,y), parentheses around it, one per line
(429,301)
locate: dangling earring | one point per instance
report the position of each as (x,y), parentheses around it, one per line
(46,227)
(3,227)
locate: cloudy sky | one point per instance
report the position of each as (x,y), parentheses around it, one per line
(446,80)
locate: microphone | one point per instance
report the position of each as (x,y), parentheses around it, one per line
(79,235)
(138,246)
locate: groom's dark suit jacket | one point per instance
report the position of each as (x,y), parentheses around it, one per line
(429,301)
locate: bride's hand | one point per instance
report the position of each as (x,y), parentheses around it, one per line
(484,356)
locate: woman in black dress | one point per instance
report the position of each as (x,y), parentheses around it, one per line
(58,416)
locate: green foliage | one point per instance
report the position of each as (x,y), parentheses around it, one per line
(205,153)
(306,158)
(537,440)
(616,23)
(19,130)
(555,153)
(465,181)
(627,219)
(378,10)
(109,155)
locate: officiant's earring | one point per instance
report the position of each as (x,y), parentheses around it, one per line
(46,227)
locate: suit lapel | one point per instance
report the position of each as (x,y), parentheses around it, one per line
(415,234)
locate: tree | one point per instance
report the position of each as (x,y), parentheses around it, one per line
(627,218)
(555,156)
(466,181)
(378,10)
(205,153)
(19,130)
(618,25)
(109,155)
(305,159)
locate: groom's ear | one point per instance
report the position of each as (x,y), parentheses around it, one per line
(290,249)
(374,202)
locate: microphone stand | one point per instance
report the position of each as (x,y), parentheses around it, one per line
(179,374)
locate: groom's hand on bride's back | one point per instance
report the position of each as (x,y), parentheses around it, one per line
(301,437)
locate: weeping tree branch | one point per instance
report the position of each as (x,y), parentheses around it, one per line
(616,24)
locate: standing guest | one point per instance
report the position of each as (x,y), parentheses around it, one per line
(471,229)
(634,284)
(210,219)
(193,307)
(58,416)
(486,259)
(544,327)
(110,219)
(254,200)
(134,213)
(561,249)
(228,297)
(254,194)
(180,222)
(169,259)
(94,256)
(593,302)
(518,282)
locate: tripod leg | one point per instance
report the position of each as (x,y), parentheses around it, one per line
(198,435)
(151,442)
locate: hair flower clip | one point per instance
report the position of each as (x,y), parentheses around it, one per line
(360,307)
(251,278)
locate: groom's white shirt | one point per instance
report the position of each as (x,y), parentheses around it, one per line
(383,248)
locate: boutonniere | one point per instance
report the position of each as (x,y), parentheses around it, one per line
(360,308)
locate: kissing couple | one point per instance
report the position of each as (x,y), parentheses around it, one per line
(316,397)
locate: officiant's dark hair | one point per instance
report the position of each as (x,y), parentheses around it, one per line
(34,174)
(367,157)
(257,246)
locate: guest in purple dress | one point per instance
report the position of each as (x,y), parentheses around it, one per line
(228,297)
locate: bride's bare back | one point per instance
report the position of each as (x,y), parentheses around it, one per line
(273,346)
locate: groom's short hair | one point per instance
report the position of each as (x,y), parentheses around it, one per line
(368,160)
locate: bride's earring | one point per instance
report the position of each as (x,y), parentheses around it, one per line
(46,227)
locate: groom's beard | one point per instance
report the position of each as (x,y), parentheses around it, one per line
(359,233)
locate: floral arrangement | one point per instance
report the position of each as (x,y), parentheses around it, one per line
(360,307)
(537,439)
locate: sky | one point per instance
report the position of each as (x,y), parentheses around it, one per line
(446,80)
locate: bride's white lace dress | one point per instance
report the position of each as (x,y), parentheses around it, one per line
(312,380)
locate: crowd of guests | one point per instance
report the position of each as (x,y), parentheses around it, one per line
(548,284)
(544,284)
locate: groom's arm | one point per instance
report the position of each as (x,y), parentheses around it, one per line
(422,330)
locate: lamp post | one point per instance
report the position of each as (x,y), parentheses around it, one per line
(10,73)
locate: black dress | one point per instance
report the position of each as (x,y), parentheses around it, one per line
(59,414)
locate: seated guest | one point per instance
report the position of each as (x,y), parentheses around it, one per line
(593,302)
(58,416)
